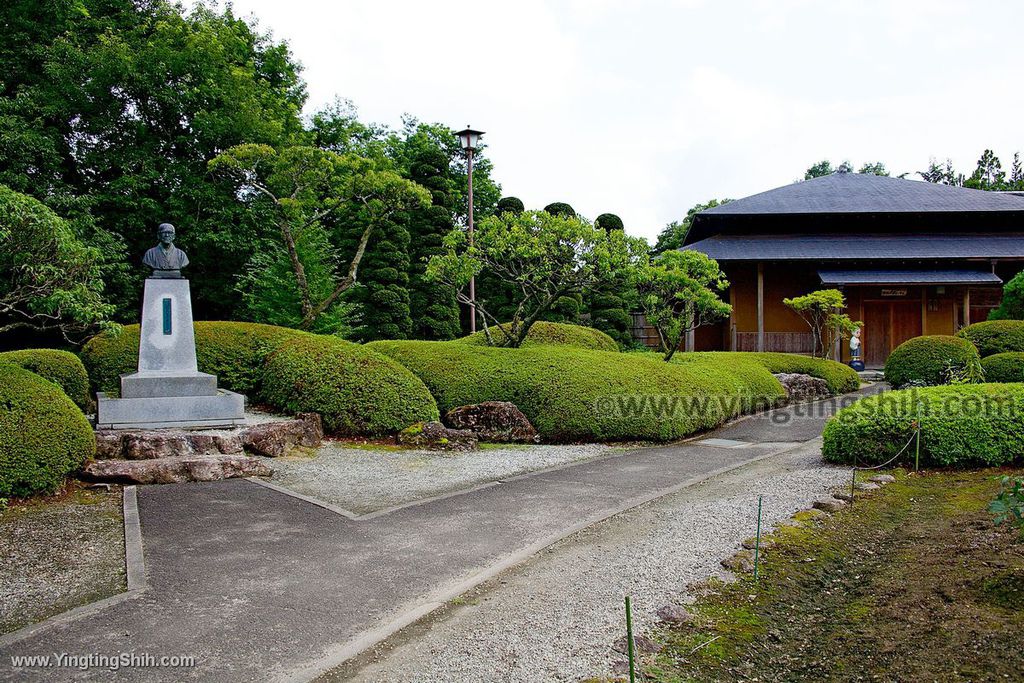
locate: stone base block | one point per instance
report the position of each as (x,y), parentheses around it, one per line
(175,470)
(158,384)
(225,409)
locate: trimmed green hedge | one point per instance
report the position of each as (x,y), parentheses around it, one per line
(572,394)
(841,379)
(43,434)
(964,425)
(995,336)
(1004,367)
(60,367)
(355,390)
(926,361)
(551,334)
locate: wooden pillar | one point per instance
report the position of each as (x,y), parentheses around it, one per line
(967,306)
(924,311)
(760,306)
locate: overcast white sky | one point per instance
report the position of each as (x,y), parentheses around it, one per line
(645,108)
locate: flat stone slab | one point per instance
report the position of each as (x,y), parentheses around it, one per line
(724,443)
(830,504)
(175,470)
(225,409)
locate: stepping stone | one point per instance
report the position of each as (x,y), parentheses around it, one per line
(866,486)
(766,543)
(829,504)
(741,562)
(641,644)
(843,496)
(674,614)
(724,443)
(883,479)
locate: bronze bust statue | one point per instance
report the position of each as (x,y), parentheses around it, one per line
(165,259)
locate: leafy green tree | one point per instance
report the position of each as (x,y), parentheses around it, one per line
(673,235)
(942,174)
(821,311)
(305,189)
(1016,180)
(822,168)
(678,292)
(1011,307)
(545,256)
(510,204)
(609,221)
(989,174)
(560,209)
(876,168)
(49,280)
(110,109)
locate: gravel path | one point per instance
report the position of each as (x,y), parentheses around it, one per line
(58,555)
(364,479)
(555,617)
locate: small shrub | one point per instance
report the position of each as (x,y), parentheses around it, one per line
(355,390)
(995,336)
(43,434)
(60,367)
(1008,506)
(965,425)
(551,334)
(560,209)
(572,394)
(932,360)
(609,222)
(510,205)
(1004,367)
(841,379)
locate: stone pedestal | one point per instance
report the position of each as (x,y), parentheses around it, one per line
(168,390)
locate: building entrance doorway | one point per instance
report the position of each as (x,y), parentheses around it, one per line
(887,324)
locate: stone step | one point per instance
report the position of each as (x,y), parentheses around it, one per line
(175,470)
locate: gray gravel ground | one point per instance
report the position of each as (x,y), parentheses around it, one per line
(59,554)
(555,617)
(365,479)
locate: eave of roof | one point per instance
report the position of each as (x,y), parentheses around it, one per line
(907,277)
(864,247)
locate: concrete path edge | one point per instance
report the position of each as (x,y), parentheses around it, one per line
(135,576)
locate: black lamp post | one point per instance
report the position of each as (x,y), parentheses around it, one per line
(469,139)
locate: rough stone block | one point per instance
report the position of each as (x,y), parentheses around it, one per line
(274,439)
(499,421)
(175,470)
(436,437)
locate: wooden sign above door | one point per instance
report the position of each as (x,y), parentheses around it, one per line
(894,292)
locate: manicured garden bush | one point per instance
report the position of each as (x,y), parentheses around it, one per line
(355,390)
(235,352)
(932,360)
(1004,367)
(963,425)
(551,334)
(60,367)
(43,434)
(995,336)
(841,379)
(572,394)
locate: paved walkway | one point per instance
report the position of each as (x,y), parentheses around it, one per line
(258,585)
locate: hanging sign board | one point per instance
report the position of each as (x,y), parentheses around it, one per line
(894,292)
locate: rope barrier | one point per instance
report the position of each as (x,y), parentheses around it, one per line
(915,435)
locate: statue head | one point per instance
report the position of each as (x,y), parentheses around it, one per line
(165,233)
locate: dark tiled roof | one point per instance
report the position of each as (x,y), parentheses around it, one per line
(907,277)
(860,247)
(864,193)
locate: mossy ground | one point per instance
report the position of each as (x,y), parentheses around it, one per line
(913,583)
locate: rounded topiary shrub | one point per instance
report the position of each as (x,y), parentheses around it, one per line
(1004,367)
(550,334)
(355,389)
(560,209)
(932,360)
(60,367)
(235,352)
(995,336)
(841,378)
(609,222)
(962,425)
(43,434)
(572,394)
(510,205)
